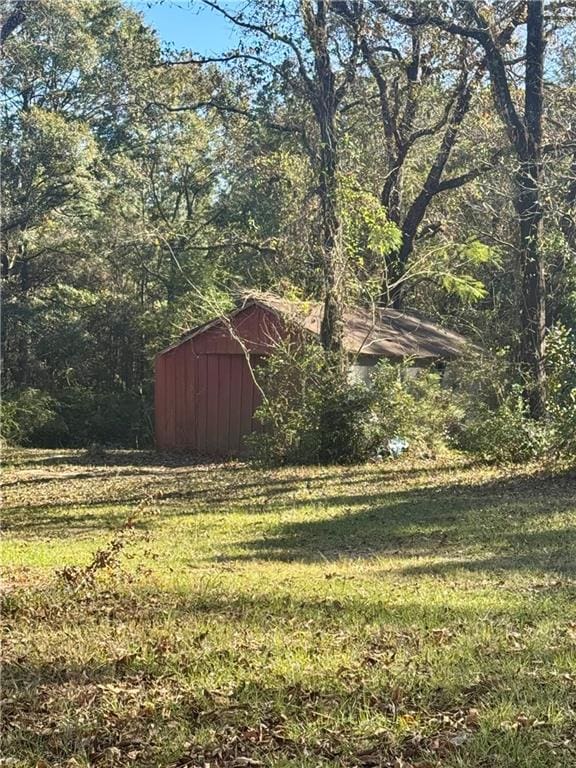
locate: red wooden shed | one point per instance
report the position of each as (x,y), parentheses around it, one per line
(205,395)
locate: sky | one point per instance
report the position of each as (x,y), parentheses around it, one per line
(189,24)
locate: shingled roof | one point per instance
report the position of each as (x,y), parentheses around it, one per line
(378,332)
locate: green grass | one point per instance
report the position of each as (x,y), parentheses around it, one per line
(410,613)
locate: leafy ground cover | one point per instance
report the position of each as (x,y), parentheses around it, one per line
(414,613)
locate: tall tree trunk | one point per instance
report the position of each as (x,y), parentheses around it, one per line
(533,307)
(12,21)
(325,102)
(525,134)
(332,327)
(529,209)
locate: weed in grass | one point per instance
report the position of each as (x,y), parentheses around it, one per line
(416,614)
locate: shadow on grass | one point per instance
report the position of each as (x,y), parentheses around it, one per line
(108,457)
(98,472)
(43,523)
(502,525)
(211,488)
(498,525)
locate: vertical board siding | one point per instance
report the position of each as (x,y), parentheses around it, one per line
(234,433)
(180,403)
(190,365)
(255,425)
(205,396)
(223,403)
(212,404)
(246,403)
(201,402)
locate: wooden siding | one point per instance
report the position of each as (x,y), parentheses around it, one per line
(205,395)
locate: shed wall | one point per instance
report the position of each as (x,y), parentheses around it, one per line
(205,395)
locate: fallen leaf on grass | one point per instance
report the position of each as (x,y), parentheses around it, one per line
(513,639)
(459,738)
(472,717)
(522,722)
(441,635)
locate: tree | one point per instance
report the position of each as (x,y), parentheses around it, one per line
(297,45)
(106,202)
(523,123)
(420,116)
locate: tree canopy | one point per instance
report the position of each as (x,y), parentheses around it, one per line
(414,154)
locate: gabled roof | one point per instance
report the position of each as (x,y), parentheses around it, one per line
(378,332)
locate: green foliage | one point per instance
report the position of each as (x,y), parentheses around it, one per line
(107,418)
(77,417)
(310,413)
(367,228)
(344,432)
(462,260)
(368,237)
(561,362)
(504,433)
(479,407)
(475,252)
(410,403)
(495,422)
(30,417)
(464,286)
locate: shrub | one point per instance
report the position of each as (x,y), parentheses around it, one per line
(344,430)
(412,404)
(107,418)
(310,413)
(504,433)
(30,418)
(561,363)
(79,417)
(496,424)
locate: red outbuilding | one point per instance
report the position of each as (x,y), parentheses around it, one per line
(205,394)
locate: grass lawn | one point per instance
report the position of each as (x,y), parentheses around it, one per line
(406,614)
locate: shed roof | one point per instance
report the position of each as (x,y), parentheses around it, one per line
(378,332)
